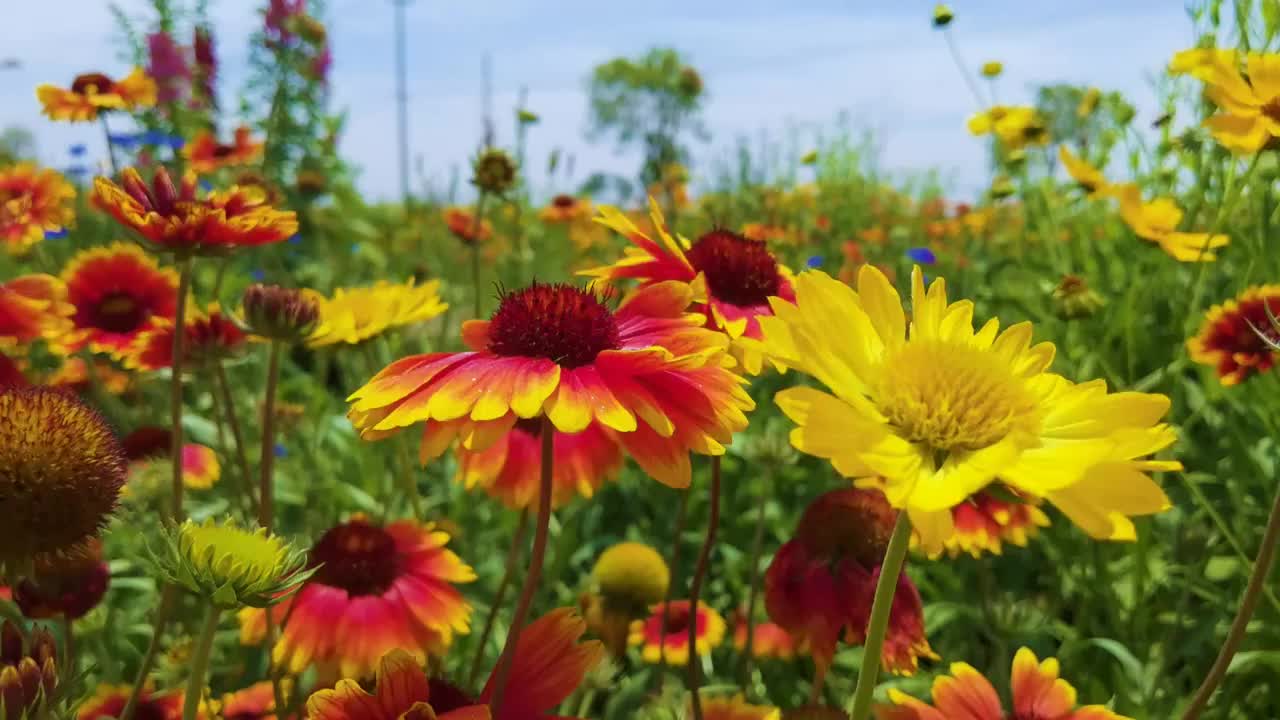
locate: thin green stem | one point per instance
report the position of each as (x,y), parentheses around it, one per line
(695,587)
(508,572)
(757,546)
(536,557)
(894,557)
(266,484)
(237,433)
(477,222)
(964,69)
(175,386)
(1225,530)
(200,663)
(1232,196)
(168,598)
(673,565)
(111,148)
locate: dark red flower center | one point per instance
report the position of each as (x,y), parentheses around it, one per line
(148,710)
(221,150)
(530,426)
(447,697)
(678,620)
(119,312)
(147,442)
(358,557)
(91,83)
(562,323)
(739,271)
(563,201)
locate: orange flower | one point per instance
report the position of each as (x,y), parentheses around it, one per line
(74,373)
(108,701)
(648,371)
(94,93)
(175,220)
(547,666)
(566,209)
(32,201)
(1227,339)
(648,633)
(378,588)
(731,277)
(462,223)
(768,640)
(33,307)
(984,523)
(205,154)
(116,291)
(256,702)
(210,336)
(200,467)
(508,469)
(1037,691)
(736,708)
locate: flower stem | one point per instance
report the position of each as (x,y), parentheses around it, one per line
(266,486)
(673,564)
(695,588)
(68,660)
(757,546)
(477,222)
(111,148)
(175,385)
(1240,625)
(237,433)
(890,569)
(508,572)
(168,596)
(536,556)
(200,663)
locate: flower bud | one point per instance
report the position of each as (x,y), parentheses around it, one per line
(1073,298)
(28,672)
(494,171)
(942,15)
(279,313)
(992,68)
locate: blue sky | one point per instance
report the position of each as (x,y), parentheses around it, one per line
(768,67)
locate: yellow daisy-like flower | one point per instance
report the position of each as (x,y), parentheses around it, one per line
(931,411)
(230,565)
(353,315)
(1086,175)
(1157,222)
(1249,104)
(1015,126)
(1202,63)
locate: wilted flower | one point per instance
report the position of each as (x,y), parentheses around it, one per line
(67,587)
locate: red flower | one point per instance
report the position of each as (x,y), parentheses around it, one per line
(116,292)
(209,336)
(1227,339)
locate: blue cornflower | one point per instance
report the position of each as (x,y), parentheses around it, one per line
(922,255)
(814,261)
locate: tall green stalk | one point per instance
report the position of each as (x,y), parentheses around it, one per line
(894,557)
(200,663)
(695,588)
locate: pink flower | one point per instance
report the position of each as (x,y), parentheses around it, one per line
(167,64)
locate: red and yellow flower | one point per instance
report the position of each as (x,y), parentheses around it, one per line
(508,470)
(33,307)
(674,642)
(768,640)
(462,223)
(649,372)
(108,701)
(566,209)
(730,276)
(200,466)
(256,702)
(1038,694)
(210,336)
(1228,339)
(75,374)
(116,291)
(736,708)
(32,201)
(985,523)
(174,219)
(378,588)
(93,93)
(205,154)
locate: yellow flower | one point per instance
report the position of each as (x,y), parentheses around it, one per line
(1089,177)
(1202,63)
(230,565)
(1015,126)
(934,415)
(1157,221)
(992,68)
(1250,108)
(356,314)
(633,572)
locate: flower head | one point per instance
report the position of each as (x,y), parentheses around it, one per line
(931,439)
(173,219)
(61,470)
(229,565)
(1248,104)
(256,702)
(736,708)
(768,640)
(1073,298)
(1157,221)
(1087,176)
(493,171)
(280,313)
(942,15)
(33,201)
(375,588)
(205,153)
(673,643)
(731,277)
(108,702)
(67,586)
(356,314)
(1015,126)
(508,469)
(28,672)
(986,522)
(210,336)
(167,65)
(1038,692)
(200,467)
(1229,339)
(992,68)
(116,291)
(648,371)
(94,93)
(33,307)
(566,209)
(462,223)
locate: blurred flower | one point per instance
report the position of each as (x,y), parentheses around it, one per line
(936,439)
(78,150)
(33,202)
(992,68)
(628,578)
(736,708)
(206,65)
(648,371)
(508,470)
(278,313)
(768,640)
(1228,341)
(820,585)
(942,15)
(1015,126)
(809,158)
(28,672)
(1157,221)
(167,65)
(210,337)
(11,373)
(921,255)
(1073,298)
(230,566)
(174,220)
(64,587)
(462,223)
(649,633)
(985,522)
(527,117)
(375,588)
(205,154)
(116,291)
(256,702)
(566,209)
(814,261)
(1204,63)
(200,467)
(320,64)
(33,307)
(74,375)
(1089,177)
(1249,116)
(353,315)
(1088,102)
(108,701)
(493,171)
(731,277)
(93,93)
(61,470)
(278,17)
(1001,187)
(1038,692)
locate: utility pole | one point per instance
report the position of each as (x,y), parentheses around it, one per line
(402,99)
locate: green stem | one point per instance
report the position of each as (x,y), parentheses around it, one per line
(1233,194)
(894,557)
(111,148)
(536,557)
(513,554)
(757,546)
(200,663)
(477,222)
(695,587)
(175,385)
(1240,625)
(266,486)
(964,70)
(237,433)
(673,565)
(168,598)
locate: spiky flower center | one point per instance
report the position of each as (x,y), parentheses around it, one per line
(225,550)
(358,557)
(951,397)
(119,312)
(91,84)
(739,271)
(562,323)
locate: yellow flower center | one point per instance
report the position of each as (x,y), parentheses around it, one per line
(254,555)
(950,396)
